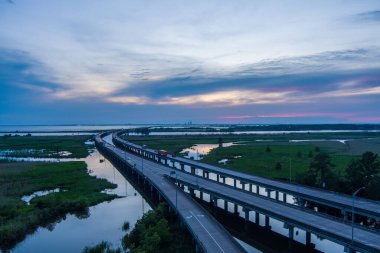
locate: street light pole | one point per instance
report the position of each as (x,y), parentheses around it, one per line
(176,188)
(176,191)
(142,160)
(353,214)
(196,176)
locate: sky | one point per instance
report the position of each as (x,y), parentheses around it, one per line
(224,62)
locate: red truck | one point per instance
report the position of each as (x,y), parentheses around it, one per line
(163,152)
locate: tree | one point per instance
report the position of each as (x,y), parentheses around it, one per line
(361,172)
(268,149)
(307,178)
(354,174)
(371,166)
(220,141)
(278,166)
(322,165)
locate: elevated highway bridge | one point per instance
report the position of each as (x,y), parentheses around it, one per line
(155,169)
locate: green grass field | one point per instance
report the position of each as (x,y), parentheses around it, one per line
(49,144)
(79,190)
(254,159)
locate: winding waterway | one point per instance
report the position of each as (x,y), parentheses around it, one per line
(103,224)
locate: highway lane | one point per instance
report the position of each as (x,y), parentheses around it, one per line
(209,233)
(341,201)
(309,221)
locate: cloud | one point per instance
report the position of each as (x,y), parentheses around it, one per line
(352,92)
(20,69)
(129,100)
(373,16)
(220,98)
(229,98)
(229,59)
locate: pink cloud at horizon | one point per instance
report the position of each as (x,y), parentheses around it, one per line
(289,115)
(364,119)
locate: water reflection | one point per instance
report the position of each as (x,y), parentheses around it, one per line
(197,151)
(104,223)
(28,198)
(39,159)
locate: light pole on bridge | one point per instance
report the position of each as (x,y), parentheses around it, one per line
(142,159)
(353,213)
(176,187)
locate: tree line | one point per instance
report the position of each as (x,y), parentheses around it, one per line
(360,172)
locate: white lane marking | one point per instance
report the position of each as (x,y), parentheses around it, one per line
(207,231)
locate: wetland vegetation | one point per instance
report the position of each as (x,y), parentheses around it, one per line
(158,231)
(45,146)
(79,190)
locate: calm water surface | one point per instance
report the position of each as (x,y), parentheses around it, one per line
(104,222)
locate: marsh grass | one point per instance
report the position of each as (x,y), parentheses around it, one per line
(79,191)
(50,145)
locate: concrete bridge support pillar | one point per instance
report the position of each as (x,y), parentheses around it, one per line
(267,222)
(182,166)
(201,195)
(225,205)
(257,218)
(284,197)
(291,231)
(217,178)
(345,215)
(192,170)
(235,183)
(268,191)
(223,179)
(243,185)
(308,239)
(246,218)
(257,189)
(246,213)
(151,191)
(277,196)
(214,201)
(250,187)
(191,190)
(349,250)
(166,161)
(235,209)
(291,236)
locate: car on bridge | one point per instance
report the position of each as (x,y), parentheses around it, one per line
(163,152)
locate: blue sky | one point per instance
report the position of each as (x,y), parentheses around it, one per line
(118,61)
